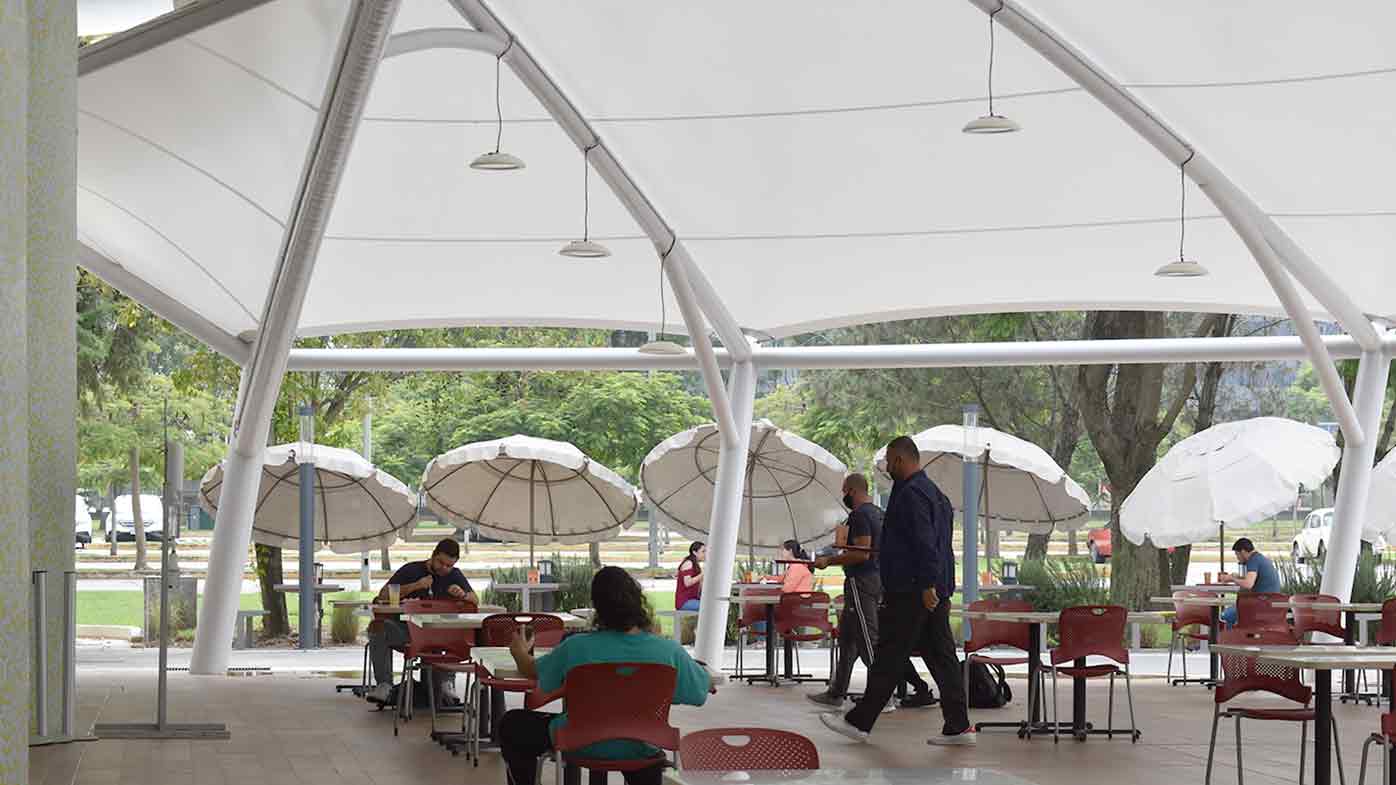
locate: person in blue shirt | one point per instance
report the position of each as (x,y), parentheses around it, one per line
(917,565)
(1258,574)
(622,633)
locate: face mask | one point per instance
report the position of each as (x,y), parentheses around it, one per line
(848,500)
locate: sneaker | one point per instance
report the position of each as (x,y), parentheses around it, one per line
(889,708)
(826,700)
(835,722)
(964,738)
(920,700)
(381,693)
(447,695)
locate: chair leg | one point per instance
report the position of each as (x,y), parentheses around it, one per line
(1110,711)
(1303,750)
(431,698)
(1212,745)
(1172,644)
(1240,771)
(1129,696)
(1362,767)
(741,644)
(1338,752)
(1056,726)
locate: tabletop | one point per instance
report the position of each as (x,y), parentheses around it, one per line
(526,586)
(1210,602)
(1051,617)
(1006,588)
(1321,605)
(1222,588)
(1321,658)
(919,776)
(320,588)
(473,621)
(499,662)
(772,599)
(351,603)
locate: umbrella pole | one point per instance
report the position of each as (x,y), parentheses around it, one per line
(1221,546)
(532,470)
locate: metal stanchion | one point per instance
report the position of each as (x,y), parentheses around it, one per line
(39,672)
(70,651)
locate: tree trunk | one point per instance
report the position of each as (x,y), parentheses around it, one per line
(386,563)
(137,519)
(594,550)
(1071,547)
(1068,435)
(111,520)
(277,622)
(1179,560)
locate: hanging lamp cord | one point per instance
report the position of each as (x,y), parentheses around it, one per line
(1183,201)
(992,14)
(664,257)
(498,108)
(586,189)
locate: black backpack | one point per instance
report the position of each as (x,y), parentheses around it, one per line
(988,686)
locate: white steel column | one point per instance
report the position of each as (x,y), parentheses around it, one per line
(1356,479)
(726,520)
(361,45)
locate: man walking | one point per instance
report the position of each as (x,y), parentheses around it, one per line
(917,565)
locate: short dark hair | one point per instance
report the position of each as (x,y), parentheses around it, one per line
(447,547)
(619,601)
(857,482)
(1243,544)
(906,447)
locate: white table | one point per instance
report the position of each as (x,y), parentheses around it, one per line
(321,589)
(527,590)
(474,621)
(843,776)
(1351,619)
(1008,588)
(498,662)
(1215,588)
(1322,660)
(770,601)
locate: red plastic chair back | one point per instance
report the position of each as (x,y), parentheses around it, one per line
(437,606)
(1091,631)
(985,633)
(1243,674)
(796,615)
(1386,636)
(618,701)
(1187,614)
(754,612)
(498,629)
(437,640)
(1310,620)
(747,749)
(1258,611)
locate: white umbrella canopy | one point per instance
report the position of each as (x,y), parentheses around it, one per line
(358,507)
(522,487)
(793,488)
(1232,474)
(1021,487)
(1380,520)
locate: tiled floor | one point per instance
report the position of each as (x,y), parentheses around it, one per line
(295,730)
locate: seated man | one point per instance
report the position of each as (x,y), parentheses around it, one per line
(435,578)
(1258,574)
(621,634)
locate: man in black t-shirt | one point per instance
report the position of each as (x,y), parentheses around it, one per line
(436,578)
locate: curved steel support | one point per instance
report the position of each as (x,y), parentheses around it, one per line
(429,38)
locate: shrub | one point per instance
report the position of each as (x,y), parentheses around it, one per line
(573,575)
(1372,581)
(1063,583)
(344,625)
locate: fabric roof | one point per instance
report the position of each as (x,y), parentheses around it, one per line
(810,157)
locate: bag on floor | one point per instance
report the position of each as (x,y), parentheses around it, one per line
(988,686)
(420,699)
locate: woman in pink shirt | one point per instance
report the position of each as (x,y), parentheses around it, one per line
(797,578)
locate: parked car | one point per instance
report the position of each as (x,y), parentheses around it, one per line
(1312,540)
(82,523)
(1098,543)
(152,511)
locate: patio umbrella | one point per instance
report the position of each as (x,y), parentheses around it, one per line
(793,488)
(357,506)
(521,486)
(1380,520)
(1022,488)
(1232,474)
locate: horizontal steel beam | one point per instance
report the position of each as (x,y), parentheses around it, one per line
(160,30)
(1161,350)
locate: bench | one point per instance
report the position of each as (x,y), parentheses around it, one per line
(678,617)
(242,628)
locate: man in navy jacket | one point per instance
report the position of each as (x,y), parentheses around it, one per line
(917,563)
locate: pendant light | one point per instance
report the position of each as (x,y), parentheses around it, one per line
(497,161)
(1183,267)
(586,248)
(659,346)
(991,123)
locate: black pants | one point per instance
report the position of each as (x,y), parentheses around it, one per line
(905,625)
(523,736)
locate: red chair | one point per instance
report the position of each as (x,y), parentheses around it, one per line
(747,749)
(1187,615)
(985,633)
(498,630)
(751,614)
(1262,611)
(1308,620)
(803,617)
(1386,739)
(1093,631)
(1242,674)
(627,701)
(428,647)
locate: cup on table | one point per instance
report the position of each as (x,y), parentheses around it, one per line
(533,575)
(1207,578)
(394,594)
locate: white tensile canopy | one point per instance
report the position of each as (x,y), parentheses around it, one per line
(358,507)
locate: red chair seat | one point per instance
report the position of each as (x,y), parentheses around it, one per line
(437,660)
(509,685)
(452,666)
(1280,715)
(999,660)
(1196,636)
(1388,724)
(1089,671)
(603,764)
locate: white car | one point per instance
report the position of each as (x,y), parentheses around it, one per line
(82,523)
(152,511)
(1312,540)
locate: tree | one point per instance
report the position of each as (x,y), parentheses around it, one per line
(1123,409)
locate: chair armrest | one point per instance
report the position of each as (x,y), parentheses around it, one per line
(535,699)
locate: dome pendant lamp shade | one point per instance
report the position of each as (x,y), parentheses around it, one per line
(991,123)
(1183,267)
(665,348)
(586,248)
(497,161)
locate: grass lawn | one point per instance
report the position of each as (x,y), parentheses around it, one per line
(124,607)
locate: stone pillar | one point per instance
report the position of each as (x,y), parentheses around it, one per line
(14,394)
(52,337)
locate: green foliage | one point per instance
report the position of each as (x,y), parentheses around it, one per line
(1299,578)
(344,625)
(573,574)
(1373,580)
(1063,583)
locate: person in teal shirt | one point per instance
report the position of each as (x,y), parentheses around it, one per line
(622,633)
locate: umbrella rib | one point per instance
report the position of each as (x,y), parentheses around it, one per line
(552,507)
(599,496)
(502,477)
(277,480)
(447,476)
(676,491)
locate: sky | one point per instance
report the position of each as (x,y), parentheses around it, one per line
(96,17)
